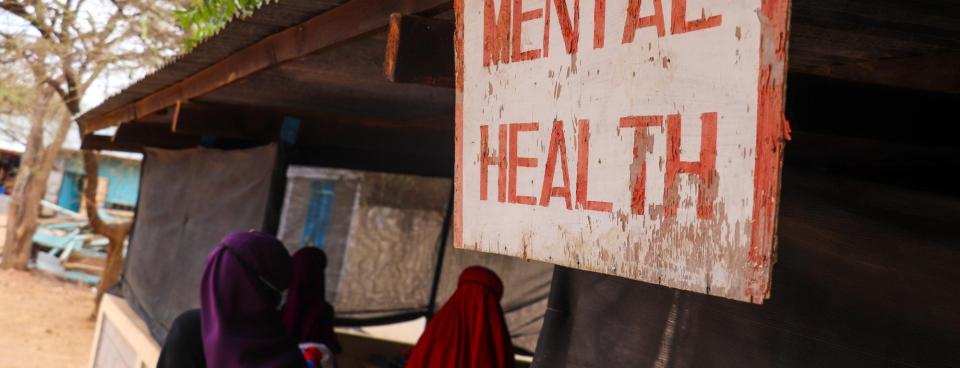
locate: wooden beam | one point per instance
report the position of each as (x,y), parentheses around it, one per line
(176,117)
(139,135)
(420,51)
(386,140)
(257,124)
(228,121)
(934,72)
(410,163)
(922,23)
(105,143)
(869,153)
(353,19)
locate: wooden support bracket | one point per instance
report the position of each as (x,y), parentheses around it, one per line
(420,51)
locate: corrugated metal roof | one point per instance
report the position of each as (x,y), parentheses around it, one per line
(240,32)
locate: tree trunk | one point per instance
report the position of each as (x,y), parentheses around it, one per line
(115,233)
(18,222)
(27,223)
(31,184)
(38,188)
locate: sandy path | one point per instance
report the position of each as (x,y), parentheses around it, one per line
(43,321)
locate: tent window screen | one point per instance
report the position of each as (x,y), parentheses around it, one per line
(381,233)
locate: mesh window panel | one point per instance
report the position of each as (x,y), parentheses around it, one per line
(381,233)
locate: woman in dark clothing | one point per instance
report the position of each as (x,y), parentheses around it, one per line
(307,315)
(183,347)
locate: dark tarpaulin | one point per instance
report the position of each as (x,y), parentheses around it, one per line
(866,277)
(189,200)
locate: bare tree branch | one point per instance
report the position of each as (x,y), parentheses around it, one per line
(18,9)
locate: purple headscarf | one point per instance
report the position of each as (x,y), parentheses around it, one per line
(239,295)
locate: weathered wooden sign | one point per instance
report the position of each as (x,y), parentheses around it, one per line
(638,138)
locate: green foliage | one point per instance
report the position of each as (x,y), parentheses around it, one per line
(204,18)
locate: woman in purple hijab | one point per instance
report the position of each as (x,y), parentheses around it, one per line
(241,291)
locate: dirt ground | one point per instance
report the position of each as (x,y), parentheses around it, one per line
(44,321)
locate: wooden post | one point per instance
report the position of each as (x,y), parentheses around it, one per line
(115,233)
(419,50)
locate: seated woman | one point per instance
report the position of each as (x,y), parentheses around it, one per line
(238,324)
(307,315)
(183,347)
(469,331)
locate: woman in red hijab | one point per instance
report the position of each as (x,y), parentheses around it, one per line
(469,331)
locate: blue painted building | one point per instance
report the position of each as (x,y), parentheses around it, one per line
(122,177)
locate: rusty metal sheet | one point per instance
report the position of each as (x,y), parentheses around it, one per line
(641,139)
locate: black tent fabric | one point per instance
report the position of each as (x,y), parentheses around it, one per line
(866,277)
(189,200)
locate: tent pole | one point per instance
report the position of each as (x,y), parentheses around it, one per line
(444,233)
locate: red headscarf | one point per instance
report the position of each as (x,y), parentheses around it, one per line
(469,331)
(307,315)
